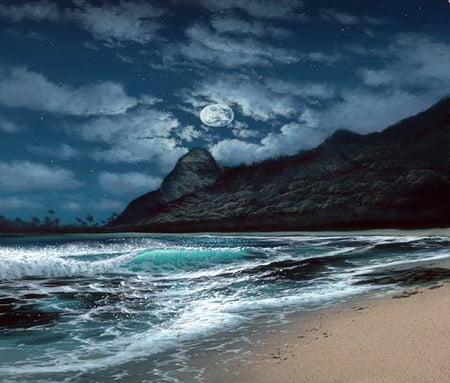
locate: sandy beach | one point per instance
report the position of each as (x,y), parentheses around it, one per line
(403,338)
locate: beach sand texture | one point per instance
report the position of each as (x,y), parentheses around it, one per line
(404,338)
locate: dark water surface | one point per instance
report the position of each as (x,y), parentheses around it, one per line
(139,307)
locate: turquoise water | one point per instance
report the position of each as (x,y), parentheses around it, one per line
(124,307)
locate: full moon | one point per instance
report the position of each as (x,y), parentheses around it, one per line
(217,115)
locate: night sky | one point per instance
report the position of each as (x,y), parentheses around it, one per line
(99,99)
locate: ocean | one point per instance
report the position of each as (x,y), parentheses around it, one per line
(139,307)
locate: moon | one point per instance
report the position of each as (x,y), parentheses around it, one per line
(217,115)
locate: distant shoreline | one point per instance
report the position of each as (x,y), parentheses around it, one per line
(438,231)
(388,232)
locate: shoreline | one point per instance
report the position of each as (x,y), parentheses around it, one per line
(403,337)
(437,231)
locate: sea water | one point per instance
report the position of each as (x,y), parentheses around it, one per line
(97,308)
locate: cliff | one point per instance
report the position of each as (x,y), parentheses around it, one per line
(396,178)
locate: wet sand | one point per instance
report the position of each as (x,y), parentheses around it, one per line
(403,338)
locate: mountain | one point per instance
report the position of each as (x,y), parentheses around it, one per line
(396,178)
(193,171)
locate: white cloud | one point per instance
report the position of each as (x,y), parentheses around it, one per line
(260,100)
(241,130)
(337,16)
(128,183)
(410,60)
(289,140)
(333,15)
(15,203)
(366,111)
(141,135)
(323,58)
(63,151)
(37,11)
(111,22)
(254,99)
(126,21)
(312,92)
(124,58)
(70,206)
(137,124)
(26,175)
(105,204)
(375,78)
(238,26)
(205,46)
(21,87)
(264,9)
(234,152)
(360,110)
(189,133)
(7,126)
(420,59)
(163,152)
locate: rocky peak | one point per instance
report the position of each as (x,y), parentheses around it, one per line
(193,171)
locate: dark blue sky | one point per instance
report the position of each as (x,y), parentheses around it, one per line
(99,99)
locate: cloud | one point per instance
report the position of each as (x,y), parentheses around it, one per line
(189,133)
(375,78)
(7,126)
(205,46)
(235,152)
(113,23)
(312,92)
(263,9)
(333,15)
(260,100)
(360,110)
(138,124)
(162,152)
(16,203)
(323,58)
(141,135)
(238,26)
(241,130)
(63,151)
(105,204)
(289,140)
(366,111)
(253,99)
(37,11)
(412,65)
(29,176)
(128,183)
(420,59)
(21,87)
(125,21)
(340,17)
(70,206)
(409,60)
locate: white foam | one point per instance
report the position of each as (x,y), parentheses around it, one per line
(199,308)
(67,260)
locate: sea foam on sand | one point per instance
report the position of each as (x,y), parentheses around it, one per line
(403,340)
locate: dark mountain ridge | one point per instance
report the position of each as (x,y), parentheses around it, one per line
(395,178)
